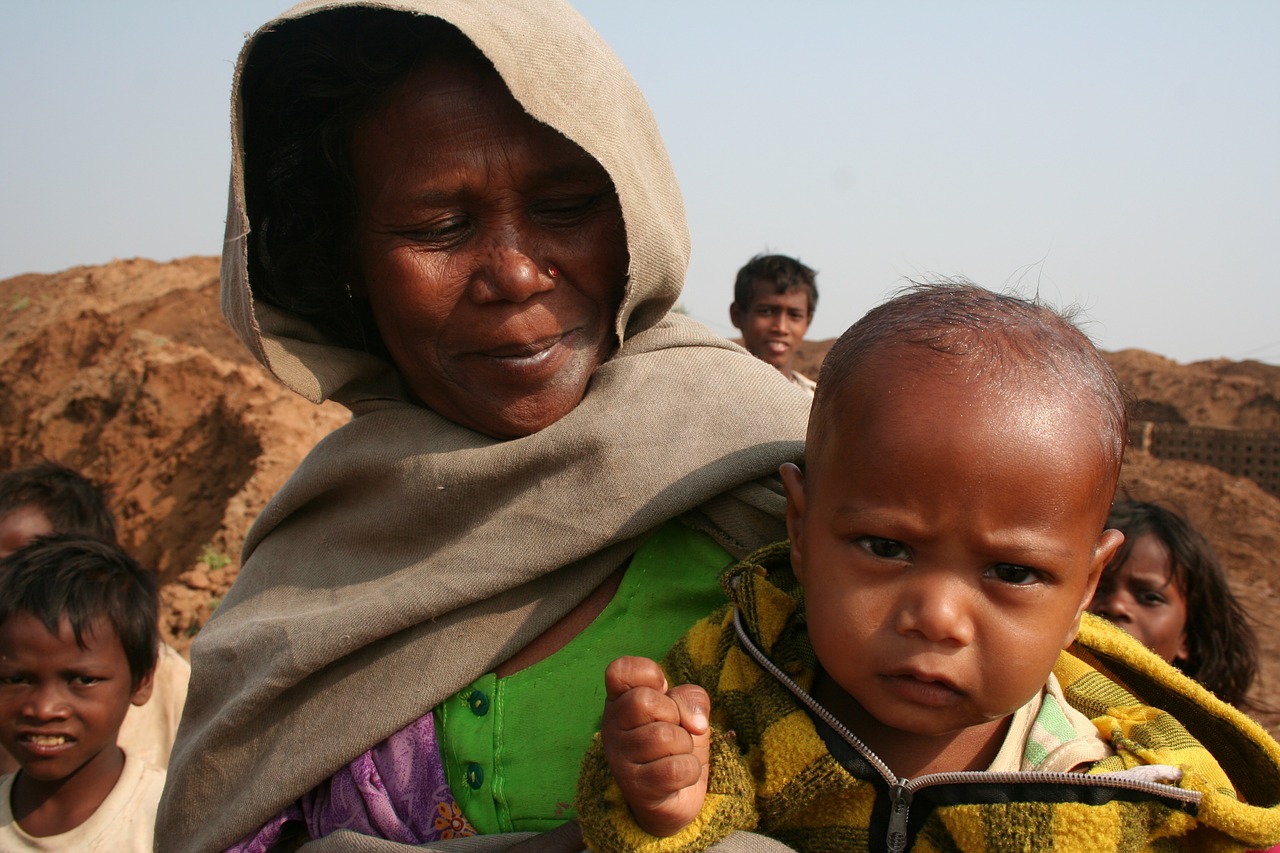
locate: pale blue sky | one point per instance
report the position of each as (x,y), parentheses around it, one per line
(1123,155)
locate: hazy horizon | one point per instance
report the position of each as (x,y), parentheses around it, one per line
(1122,156)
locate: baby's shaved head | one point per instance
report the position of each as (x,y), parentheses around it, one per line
(989,339)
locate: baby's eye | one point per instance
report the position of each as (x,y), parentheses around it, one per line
(1015,575)
(886,549)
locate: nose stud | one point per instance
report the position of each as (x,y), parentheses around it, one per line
(552,271)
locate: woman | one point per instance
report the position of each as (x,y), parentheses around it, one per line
(469,234)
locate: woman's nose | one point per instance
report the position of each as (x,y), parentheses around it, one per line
(510,272)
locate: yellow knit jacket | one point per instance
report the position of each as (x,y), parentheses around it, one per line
(772,772)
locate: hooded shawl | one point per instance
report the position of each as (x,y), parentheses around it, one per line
(406,544)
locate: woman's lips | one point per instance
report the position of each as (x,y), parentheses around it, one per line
(527,355)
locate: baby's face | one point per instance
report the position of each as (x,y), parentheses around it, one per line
(19,526)
(948,536)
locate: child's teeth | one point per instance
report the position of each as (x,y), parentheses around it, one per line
(48,740)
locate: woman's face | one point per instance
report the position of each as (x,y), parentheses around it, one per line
(490,248)
(1142,597)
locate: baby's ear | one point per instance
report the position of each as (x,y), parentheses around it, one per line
(793,483)
(142,692)
(1108,543)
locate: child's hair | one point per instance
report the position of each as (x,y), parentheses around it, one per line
(1222,652)
(81,580)
(72,502)
(955,317)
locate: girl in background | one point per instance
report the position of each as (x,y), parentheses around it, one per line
(1166,587)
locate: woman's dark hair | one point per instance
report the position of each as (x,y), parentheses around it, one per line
(81,580)
(69,500)
(1222,652)
(305,88)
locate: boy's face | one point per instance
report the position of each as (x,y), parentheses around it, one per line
(948,537)
(60,705)
(774,323)
(19,526)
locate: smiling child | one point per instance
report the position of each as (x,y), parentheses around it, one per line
(876,673)
(78,642)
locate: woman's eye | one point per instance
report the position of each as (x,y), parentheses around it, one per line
(1016,575)
(566,210)
(442,232)
(886,549)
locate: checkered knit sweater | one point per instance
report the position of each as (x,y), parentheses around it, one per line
(775,771)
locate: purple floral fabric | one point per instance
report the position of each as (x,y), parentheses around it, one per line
(397,791)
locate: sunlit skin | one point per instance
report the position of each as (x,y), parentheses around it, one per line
(60,709)
(948,534)
(490,248)
(1142,597)
(20,525)
(774,324)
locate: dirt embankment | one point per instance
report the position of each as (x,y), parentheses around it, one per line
(127,372)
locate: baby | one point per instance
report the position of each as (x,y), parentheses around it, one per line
(946,536)
(78,642)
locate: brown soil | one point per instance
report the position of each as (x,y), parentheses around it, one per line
(127,372)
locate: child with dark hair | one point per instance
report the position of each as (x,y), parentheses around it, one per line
(78,641)
(1166,587)
(47,497)
(914,669)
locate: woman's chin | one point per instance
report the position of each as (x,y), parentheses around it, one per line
(506,409)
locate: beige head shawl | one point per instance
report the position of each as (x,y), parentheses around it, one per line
(408,555)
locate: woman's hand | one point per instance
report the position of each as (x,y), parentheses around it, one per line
(657,743)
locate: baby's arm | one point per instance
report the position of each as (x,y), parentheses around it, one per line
(656,741)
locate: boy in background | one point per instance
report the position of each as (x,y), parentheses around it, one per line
(78,641)
(895,674)
(774,297)
(46,497)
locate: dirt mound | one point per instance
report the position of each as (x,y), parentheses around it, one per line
(128,372)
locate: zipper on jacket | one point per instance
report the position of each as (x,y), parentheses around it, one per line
(902,789)
(899,808)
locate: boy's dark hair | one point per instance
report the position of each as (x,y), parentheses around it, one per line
(785,273)
(81,580)
(71,501)
(957,318)
(1222,651)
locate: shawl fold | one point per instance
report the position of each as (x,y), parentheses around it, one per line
(406,544)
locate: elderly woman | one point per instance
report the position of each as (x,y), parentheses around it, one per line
(458,220)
